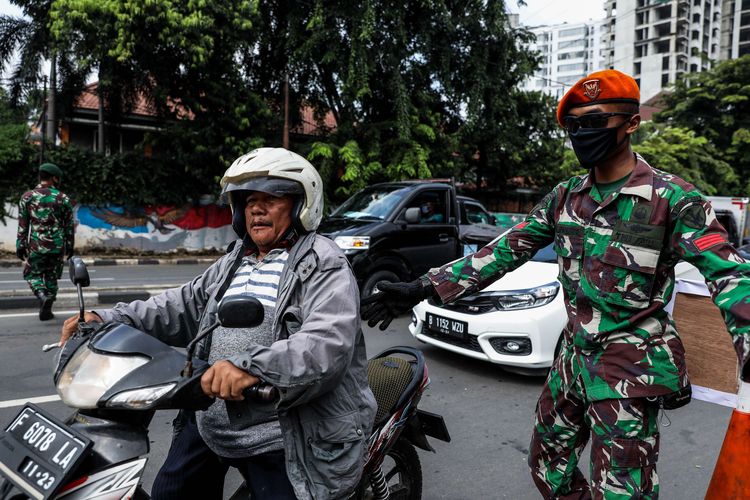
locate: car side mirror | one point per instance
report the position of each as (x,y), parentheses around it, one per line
(412,215)
(240,311)
(79,275)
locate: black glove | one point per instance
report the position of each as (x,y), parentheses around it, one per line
(21,253)
(394,299)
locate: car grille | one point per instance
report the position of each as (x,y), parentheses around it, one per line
(471,343)
(467,306)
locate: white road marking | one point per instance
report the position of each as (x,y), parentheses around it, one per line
(28,315)
(20,402)
(24,281)
(19,270)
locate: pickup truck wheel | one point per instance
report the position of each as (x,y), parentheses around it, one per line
(369,286)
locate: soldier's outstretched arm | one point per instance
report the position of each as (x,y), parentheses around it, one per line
(699,238)
(504,254)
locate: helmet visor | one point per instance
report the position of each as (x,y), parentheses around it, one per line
(269,185)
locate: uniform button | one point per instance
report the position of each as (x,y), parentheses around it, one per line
(244,364)
(359,432)
(239,415)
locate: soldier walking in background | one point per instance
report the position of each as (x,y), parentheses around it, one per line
(45,236)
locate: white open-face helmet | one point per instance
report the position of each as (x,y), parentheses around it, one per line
(279,172)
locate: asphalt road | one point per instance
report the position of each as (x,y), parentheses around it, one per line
(112,276)
(488,412)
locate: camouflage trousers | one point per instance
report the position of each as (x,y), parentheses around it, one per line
(42,270)
(624,443)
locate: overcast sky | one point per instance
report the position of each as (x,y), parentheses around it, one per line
(537,12)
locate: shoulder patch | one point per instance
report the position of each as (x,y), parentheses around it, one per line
(710,240)
(694,216)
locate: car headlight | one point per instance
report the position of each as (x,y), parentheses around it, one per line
(353,242)
(142,398)
(88,375)
(513,299)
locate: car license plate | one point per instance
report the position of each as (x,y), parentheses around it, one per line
(446,326)
(38,453)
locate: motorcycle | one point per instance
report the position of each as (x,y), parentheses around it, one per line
(117,377)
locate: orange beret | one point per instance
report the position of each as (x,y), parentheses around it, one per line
(600,87)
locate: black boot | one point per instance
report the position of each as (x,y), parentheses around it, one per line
(45,305)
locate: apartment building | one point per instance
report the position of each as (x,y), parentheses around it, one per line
(735,29)
(657,41)
(568,51)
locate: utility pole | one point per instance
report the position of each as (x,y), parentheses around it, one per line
(285,137)
(51,109)
(100,128)
(44,118)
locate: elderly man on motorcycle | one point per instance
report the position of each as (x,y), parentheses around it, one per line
(311,443)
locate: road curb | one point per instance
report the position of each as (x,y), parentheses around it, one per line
(130,262)
(89,298)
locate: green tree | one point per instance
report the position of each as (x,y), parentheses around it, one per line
(185,56)
(715,104)
(682,152)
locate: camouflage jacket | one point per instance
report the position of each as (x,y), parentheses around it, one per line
(45,222)
(617,258)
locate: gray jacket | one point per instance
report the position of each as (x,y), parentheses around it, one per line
(319,365)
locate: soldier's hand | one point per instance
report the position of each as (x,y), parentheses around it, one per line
(226,381)
(21,253)
(71,324)
(392,300)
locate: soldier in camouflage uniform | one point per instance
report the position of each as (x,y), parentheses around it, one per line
(45,236)
(618,232)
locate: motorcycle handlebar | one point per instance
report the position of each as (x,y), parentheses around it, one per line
(264,393)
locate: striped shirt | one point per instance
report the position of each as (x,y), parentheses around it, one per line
(259,279)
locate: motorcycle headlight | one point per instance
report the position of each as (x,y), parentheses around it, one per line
(88,375)
(139,399)
(522,299)
(353,242)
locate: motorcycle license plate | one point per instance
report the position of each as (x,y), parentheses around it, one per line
(38,453)
(450,327)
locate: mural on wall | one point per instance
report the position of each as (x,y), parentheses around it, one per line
(156,228)
(152,228)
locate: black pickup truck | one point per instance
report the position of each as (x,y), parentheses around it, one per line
(396,231)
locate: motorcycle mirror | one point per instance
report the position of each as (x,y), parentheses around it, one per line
(79,275)
(412,215)
(240,311)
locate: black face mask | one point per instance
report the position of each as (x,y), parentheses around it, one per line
(592,145)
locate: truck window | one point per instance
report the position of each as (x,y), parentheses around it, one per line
(476,214)
(432,207)
(372,203)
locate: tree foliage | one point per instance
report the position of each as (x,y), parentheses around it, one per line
(682,152)
(417,89)
(715,105)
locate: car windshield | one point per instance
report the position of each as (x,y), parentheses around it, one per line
(372,203)
(545,254)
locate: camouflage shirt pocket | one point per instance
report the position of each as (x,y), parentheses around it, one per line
(630,262)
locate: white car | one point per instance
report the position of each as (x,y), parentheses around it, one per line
(516,322)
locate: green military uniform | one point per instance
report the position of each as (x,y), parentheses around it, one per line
(45,236)
(620,349)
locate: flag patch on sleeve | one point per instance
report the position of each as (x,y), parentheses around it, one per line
(705,242)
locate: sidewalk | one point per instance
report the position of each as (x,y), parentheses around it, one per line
(98,295)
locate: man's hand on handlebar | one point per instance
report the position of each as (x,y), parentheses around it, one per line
(225,381)
(71,324)
(394,299)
